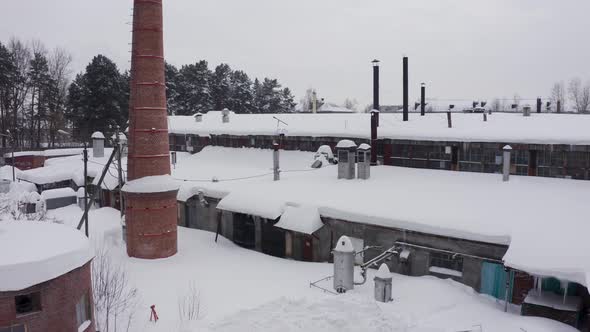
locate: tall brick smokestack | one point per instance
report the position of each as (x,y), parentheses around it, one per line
(151,200)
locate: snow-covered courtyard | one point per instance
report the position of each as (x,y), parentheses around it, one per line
(243,290)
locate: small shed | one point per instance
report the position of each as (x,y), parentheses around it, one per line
(58,198)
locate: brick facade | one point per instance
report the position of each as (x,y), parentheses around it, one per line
(151,225)
(59,297)
(151,217)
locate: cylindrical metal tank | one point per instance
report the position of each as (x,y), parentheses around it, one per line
(343,265)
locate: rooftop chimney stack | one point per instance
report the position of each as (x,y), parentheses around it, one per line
(539,105)
(98,144)
(423,99)
(225,115)
(374,120)
(346,159)
(151,213)
(363,156)
(376,105)
(406,92)
(199,117)
(506,163)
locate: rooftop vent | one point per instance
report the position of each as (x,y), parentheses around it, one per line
(198,117)
(98,144)
(346,159)
(225,115)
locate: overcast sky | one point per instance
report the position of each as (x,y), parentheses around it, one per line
(460,48)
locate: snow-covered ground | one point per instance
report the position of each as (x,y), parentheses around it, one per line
(243,290)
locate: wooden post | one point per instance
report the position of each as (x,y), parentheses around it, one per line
(406,93)
(86,189)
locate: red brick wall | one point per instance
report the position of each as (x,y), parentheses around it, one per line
(151,225)
(58,303)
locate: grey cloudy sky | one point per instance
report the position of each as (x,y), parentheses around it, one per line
(461,48)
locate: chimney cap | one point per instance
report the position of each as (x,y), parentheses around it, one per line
(97,135)
(364,146)
(375,62)
(346,144)
(507,148)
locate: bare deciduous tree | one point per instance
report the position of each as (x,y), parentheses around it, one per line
(579,94)
(558,94)
(189,304)
(113,296)
(351,104)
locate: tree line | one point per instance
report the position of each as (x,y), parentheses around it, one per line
(38,98)
(195,88)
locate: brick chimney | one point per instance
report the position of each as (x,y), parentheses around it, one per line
(151,211)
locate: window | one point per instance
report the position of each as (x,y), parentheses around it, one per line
(28,303)
(14,328)
(361,157)
(342,156)
(446,261)
(83,310)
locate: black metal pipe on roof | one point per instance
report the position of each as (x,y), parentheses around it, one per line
(423,100)
(406,94)
(539,105)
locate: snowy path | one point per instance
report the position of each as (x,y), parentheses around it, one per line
(243,290)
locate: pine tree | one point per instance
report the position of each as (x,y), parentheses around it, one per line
(194,93)
(41,84)
(241,95)
(258,97)
(172,89)
(287,101)
(7,72)
(221,86)
(98,99)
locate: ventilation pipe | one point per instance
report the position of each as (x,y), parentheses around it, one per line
(225,115)
(559,106)
(198,117)
(343,265)
(422,99)
(97,144)
(275,161)
(376,105)
(374,125)
(406,93)
(363,161)
(506,163)
(346,159)
(539,105)
(383,280)
(314,102)
(526,110)
(449,119)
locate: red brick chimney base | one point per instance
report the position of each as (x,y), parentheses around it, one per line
(151,224)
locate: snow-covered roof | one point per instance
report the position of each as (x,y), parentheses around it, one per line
(501,127)
(53,251)
(58,193)
(66,168)
(97,135)
(46,153)
(445,203)
(303,219)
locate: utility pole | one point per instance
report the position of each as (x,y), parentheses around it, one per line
(86,188)
(119,170)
